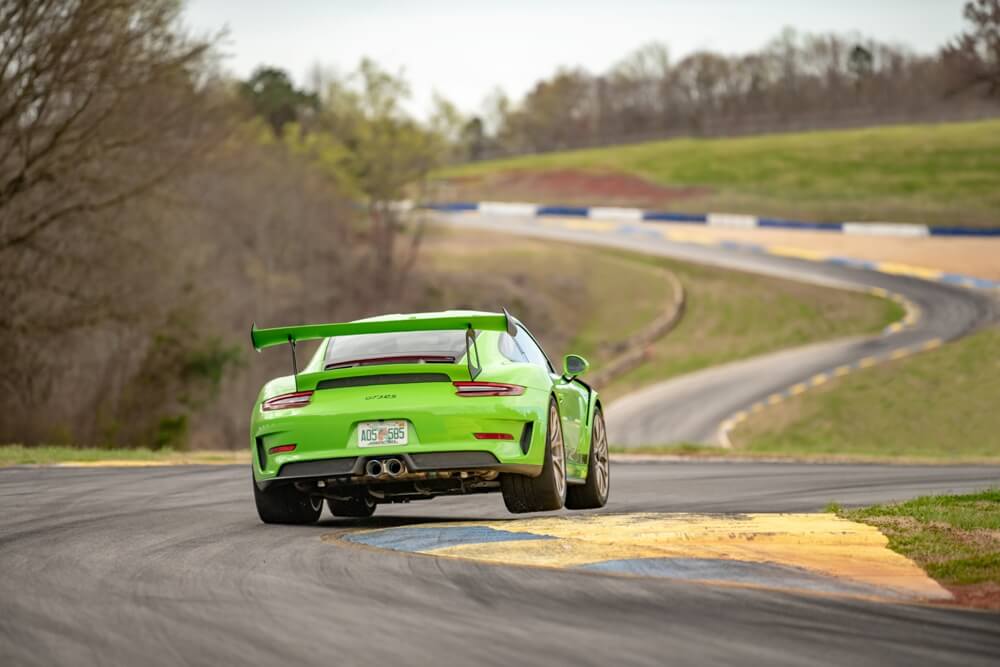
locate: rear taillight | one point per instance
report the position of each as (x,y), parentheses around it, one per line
(487,389)
(296,399)
(281,448)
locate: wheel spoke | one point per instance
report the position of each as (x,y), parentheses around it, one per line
(557,451)
(600,457)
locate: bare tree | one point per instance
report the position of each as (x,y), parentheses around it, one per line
(95,100)
(384,156)
(103,103)
(144,221)
(975,55)
(796,81)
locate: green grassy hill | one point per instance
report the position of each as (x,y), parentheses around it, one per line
(937,406)
(942,174)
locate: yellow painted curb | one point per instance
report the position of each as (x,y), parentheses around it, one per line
(589,225)
(855,554)
(237,458)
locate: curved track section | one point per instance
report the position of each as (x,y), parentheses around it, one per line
(692,408)
(166,566)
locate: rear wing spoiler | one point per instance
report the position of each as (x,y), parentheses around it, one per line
(261,338)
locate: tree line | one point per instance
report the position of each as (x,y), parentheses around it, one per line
(150,207)
(795,82)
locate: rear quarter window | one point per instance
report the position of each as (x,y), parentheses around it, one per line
(510,350)
(531,350)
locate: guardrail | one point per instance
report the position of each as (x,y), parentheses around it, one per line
(732,220)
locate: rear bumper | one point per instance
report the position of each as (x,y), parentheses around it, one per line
(421,462)
(441,430)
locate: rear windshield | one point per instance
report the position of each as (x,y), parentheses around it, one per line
(432,346)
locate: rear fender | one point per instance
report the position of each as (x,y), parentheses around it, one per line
(593,403)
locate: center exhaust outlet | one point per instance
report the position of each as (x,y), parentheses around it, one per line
(373,468)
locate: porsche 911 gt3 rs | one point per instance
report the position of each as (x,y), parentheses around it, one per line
(400,408)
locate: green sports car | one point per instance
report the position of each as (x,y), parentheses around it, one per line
(407,407)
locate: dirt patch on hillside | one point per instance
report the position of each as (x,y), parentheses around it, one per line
(979,596)
(567,186)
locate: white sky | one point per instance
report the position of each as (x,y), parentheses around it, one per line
(465,49)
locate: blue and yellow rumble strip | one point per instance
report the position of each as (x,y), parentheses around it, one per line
(427,539)
(680,236)
(633,221)
(818,553)
(736,220)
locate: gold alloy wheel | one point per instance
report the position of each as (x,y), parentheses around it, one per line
(599,457)
(557,451)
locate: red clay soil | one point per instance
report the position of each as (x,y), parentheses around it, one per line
(977,596)
(569,186)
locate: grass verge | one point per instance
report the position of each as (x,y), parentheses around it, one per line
(694,452)
(945,174)
(956,539)
(58,454)
(680,449)
(938,406)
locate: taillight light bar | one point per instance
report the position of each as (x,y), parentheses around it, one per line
(487,389)
(296,399)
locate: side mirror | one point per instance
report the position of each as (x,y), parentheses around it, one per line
(573,365)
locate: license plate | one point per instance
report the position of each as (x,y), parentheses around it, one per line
(382,434)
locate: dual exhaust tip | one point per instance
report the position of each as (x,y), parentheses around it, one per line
(390,467)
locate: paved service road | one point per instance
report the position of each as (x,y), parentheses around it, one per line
(691,408)
(166,566)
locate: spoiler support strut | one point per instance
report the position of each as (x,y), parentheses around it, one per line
(295,363)
(470,344)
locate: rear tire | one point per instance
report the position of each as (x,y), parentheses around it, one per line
(361,507)
(547,491)
(594,493)
(286,504)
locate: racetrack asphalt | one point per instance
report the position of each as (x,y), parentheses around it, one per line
(170,565)
(691,408)
(166,566)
